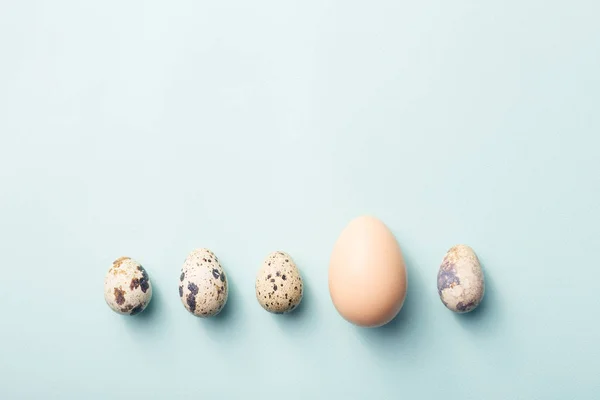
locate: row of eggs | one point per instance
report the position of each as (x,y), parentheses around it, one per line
(367,279)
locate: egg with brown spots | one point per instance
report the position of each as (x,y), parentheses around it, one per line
(203,285)
(127,287)
(279,286)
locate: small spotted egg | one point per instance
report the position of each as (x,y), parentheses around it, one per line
(460,280)
(203,284)
(127,287)
(279,287)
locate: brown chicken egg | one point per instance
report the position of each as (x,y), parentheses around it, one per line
(367,273)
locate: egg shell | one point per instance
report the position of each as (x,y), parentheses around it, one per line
(460,280)
(203,285)
(367,273)
(279,286)
(127,287)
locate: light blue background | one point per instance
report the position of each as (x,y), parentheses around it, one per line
(151,128)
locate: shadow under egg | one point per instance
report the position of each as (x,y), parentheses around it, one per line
(300,320)
(223,326)
(150,322)
(485,318)
(404,330)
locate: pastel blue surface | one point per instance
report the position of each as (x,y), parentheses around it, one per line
(151,128)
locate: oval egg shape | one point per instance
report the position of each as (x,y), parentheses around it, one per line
(279,286)
(203,287)
(460,280)
(367,273)
(127,287)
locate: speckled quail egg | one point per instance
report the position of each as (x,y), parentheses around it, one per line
(460,281)
(279,287)
(203,284)
(127,287)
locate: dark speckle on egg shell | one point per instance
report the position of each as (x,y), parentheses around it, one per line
(447,277)
(119,296)
(127,308)
(138,309)
(144,281)
(135,283)
(192,287)
(191,301)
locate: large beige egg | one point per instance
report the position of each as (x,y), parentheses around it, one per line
(367,273)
